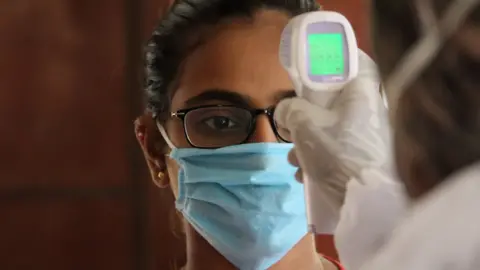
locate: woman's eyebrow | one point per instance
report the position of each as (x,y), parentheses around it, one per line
(219,95)
(285,94)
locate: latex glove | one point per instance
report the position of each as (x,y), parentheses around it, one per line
(335,144)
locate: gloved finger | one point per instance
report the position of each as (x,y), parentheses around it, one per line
(290,114)
(284,133)
(299,175)
(361,97)
(292,158)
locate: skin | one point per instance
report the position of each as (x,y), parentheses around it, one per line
(241,58)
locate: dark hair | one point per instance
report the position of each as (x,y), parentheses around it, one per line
(182,30)
(438,118)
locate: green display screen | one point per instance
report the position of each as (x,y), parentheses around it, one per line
(326,54)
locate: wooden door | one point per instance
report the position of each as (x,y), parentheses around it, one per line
(73,192)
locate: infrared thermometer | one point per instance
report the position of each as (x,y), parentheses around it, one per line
(319,51)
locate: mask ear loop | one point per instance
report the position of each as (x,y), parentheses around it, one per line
(427,48)
(426,16)
(165,136)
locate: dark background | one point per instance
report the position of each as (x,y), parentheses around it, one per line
(74,193)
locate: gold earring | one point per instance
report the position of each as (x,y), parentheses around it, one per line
(158,181)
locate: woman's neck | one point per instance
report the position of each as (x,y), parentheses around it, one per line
(202,256)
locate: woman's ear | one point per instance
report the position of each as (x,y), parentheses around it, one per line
(152,145)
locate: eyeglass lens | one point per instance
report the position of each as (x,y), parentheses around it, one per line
(217,126)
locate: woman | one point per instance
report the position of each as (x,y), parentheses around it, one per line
(428,54)
(213,80)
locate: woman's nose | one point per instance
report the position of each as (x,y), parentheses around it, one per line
(263,131)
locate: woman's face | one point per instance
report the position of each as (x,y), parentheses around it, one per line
(239,66)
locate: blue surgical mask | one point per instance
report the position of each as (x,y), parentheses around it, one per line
(243,200)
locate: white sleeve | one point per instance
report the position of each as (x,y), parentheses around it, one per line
(440,231)
(373,206)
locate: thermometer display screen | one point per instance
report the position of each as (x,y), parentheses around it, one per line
(326,54)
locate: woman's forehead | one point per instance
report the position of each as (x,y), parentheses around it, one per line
(242,58)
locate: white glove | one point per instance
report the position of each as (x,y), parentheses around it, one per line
(335,144)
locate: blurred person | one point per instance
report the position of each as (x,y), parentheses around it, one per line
(428,52)
(213,81)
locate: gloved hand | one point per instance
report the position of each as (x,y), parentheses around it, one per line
(335,144)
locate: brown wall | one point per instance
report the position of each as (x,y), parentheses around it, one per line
(71,193)
(358,13)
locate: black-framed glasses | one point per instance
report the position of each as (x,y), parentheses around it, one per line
(215,126)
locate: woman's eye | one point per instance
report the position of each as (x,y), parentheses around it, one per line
(220,123)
